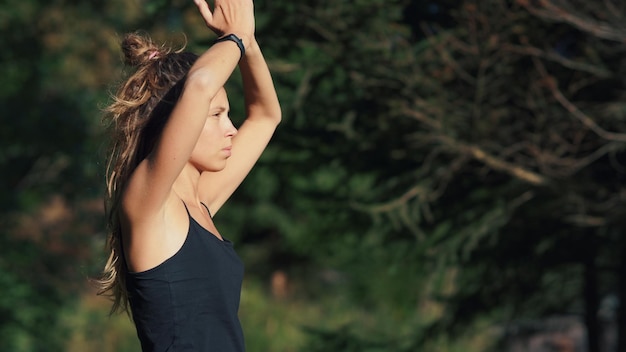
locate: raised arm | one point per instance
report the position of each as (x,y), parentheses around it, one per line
(151,183)
(263,115)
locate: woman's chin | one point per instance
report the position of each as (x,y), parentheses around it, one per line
(214,167)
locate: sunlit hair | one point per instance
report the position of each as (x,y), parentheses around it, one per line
(136,118)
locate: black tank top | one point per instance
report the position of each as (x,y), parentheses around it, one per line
(190,301)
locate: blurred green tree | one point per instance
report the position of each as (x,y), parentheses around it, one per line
(479,142)
(56,65)
(444,162)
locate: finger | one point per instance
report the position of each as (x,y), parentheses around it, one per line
(205,11)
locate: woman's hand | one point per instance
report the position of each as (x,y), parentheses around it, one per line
(229,16)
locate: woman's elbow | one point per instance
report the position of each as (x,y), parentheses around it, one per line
(202,82)
(277,115)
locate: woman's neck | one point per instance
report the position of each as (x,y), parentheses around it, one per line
(186,185)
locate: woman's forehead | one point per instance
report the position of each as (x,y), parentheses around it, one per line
(220,100)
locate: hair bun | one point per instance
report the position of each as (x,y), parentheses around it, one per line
(139,49)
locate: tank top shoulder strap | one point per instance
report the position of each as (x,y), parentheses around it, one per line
(207,210)
(186,209)
(204,205)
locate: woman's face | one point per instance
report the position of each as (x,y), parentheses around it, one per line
(215,142)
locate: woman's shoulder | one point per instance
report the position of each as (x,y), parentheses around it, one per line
(154,237)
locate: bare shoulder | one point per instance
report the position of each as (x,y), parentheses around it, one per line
(152,234)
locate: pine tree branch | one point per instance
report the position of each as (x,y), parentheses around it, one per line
(553,56)
(550,10)
(495,162)
(552,85)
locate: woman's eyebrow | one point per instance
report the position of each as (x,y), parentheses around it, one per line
(219,109)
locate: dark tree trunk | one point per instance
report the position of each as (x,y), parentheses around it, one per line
(592,303)
(621,311)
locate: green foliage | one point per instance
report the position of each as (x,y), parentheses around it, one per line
(442,166)
(343,340)
(30,304)
(47,148)
(472,159)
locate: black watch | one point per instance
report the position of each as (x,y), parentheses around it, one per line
(235,39)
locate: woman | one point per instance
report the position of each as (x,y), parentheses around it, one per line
(176,159)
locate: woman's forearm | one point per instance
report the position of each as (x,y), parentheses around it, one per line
(260,94)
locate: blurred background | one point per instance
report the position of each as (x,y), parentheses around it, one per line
(448,175)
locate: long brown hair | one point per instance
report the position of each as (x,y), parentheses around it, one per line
(136,118)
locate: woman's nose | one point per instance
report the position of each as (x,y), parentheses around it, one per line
(231,131)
